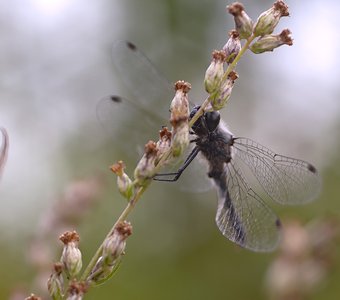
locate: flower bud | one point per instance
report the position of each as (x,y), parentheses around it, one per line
(113,249)
(270,42)
(269,19)
(232,47)
(222,97)
(77,290)
(243,23)
(215,71)
(146,166)
(179,118)
(164,143)
(124,183)
(55,283)
(114,245)
(71,256)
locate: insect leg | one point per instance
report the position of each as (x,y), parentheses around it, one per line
(179,172)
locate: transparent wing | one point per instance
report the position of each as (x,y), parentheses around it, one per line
(242,216)
(148,86)
(286,180)
(128,124)
(132,122)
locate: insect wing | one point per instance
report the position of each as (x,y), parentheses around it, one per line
(286,180)
(128,125)
(242,216)
(149,88)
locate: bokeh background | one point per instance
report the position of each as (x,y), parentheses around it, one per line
(55,66)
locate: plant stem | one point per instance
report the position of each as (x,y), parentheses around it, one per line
(121,218)
(141,189)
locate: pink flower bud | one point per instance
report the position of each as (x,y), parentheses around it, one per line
(222,97)
(145,169)
(124,183)
(71,256)
(215,71)
(179,118)
(243,23)
(232,47)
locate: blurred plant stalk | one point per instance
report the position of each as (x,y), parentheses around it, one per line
(307,256)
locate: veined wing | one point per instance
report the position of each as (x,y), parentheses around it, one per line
(129,125)
(149,88)
(134,119)
(242,216)
(286,180)
(130,121)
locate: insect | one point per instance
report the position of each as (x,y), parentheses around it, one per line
(242,215)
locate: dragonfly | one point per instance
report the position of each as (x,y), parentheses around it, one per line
(243,216)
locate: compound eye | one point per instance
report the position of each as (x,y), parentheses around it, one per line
(212,120)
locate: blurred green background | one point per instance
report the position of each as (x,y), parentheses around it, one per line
(56,65)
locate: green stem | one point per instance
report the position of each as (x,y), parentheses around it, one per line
(237,58)
(121,218)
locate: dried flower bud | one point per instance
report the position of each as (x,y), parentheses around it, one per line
(77,290)
(55,283)
(114,245)
(243,23)
(215,71)
(232,47)
(113,249)
(270,42)
(164,143)
(220,101)
(146,166)
(269,19)
(71,256)
(179,118)
(124,183)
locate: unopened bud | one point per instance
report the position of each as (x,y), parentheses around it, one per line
(55,283)
(164,143)
(71,256)
(222,97)
(77,290)
(113,249)
(243,23)
(114,245)
(146,166)
(232,47)
(179,107)
(124,183)
(269,19)
(179,118)
(270,42)
(215,71)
